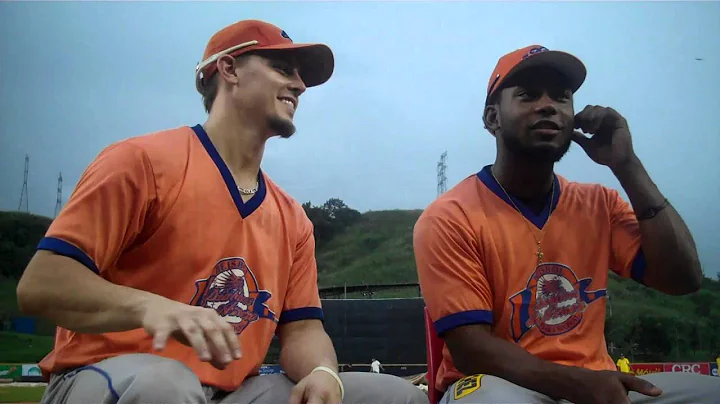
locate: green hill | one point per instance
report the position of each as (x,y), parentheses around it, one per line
(376,248)
(19,234)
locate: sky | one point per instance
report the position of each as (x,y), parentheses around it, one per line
(408,85)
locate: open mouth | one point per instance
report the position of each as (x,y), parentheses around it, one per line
(291,102)
(547,125)
(546,130)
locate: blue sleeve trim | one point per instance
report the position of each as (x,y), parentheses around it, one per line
(62,247)
(447,323)
(305,313)
(637,271)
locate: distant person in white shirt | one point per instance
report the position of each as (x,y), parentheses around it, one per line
(375,366)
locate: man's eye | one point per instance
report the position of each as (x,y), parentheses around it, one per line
(526,94)
(284,69)
(563,95)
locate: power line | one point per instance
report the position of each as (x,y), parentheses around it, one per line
(58,204)
(24,192)
(441,177)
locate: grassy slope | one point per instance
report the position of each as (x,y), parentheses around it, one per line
(376,250)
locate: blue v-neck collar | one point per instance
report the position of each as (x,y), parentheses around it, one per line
(245,208)
(539,220)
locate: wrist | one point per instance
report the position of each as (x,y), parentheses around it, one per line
(627,168)
(333,373)
(138,306)
(570,380)
(560,381)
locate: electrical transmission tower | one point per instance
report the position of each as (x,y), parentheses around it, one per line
(441,178)
(58,204)
(24,192)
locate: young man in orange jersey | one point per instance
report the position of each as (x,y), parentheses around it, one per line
(513,261)
(177,259)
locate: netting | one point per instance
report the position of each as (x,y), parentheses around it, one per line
(390,330)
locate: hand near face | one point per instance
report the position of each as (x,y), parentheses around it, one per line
(610,143)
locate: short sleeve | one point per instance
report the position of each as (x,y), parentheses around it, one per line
(302,300)
(452,278)
(627,259)
(106,211)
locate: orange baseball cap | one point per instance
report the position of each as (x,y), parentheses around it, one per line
(316,61)
(534,56)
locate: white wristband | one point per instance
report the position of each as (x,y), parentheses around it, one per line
(333,374)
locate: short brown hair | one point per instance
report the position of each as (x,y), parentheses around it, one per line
(210,90)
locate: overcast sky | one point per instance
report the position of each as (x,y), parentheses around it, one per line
(408,85)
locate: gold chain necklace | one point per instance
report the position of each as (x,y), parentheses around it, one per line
(539,252)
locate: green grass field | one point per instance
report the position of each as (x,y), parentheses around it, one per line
(21,394)
(23,348)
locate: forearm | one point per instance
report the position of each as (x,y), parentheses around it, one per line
(673,265)
(305,347)
(67,293)
(482,353)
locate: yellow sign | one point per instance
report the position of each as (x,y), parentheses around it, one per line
(466,386)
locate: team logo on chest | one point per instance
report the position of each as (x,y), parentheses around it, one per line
(233,291)
(553,300)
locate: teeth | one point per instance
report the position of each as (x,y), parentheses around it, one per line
(289,103)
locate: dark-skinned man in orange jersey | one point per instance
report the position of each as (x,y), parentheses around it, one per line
(513,261)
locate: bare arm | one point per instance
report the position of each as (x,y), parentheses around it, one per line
(673,266)
(475,351)
(304,346)
(67,293)
(70,295)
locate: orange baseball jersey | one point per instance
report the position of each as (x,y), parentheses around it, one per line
(477,264)
(162,213)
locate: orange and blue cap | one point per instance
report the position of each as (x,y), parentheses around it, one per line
(534,56)
(315,61)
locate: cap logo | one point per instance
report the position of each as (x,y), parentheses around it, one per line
(535,51)
(285,35)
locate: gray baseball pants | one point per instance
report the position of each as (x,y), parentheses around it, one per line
(146,379)
(678,388)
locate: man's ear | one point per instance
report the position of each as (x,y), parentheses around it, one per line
(491,118)
(226,66)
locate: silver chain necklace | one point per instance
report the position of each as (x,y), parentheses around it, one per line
(246,191)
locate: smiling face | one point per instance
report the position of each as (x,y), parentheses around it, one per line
(532,115)
(265,89)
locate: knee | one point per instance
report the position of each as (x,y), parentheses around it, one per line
(164,381)
(381,388)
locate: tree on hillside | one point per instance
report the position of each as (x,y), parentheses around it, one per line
(340,213)
(652,335)
(19,235)
(330,219)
